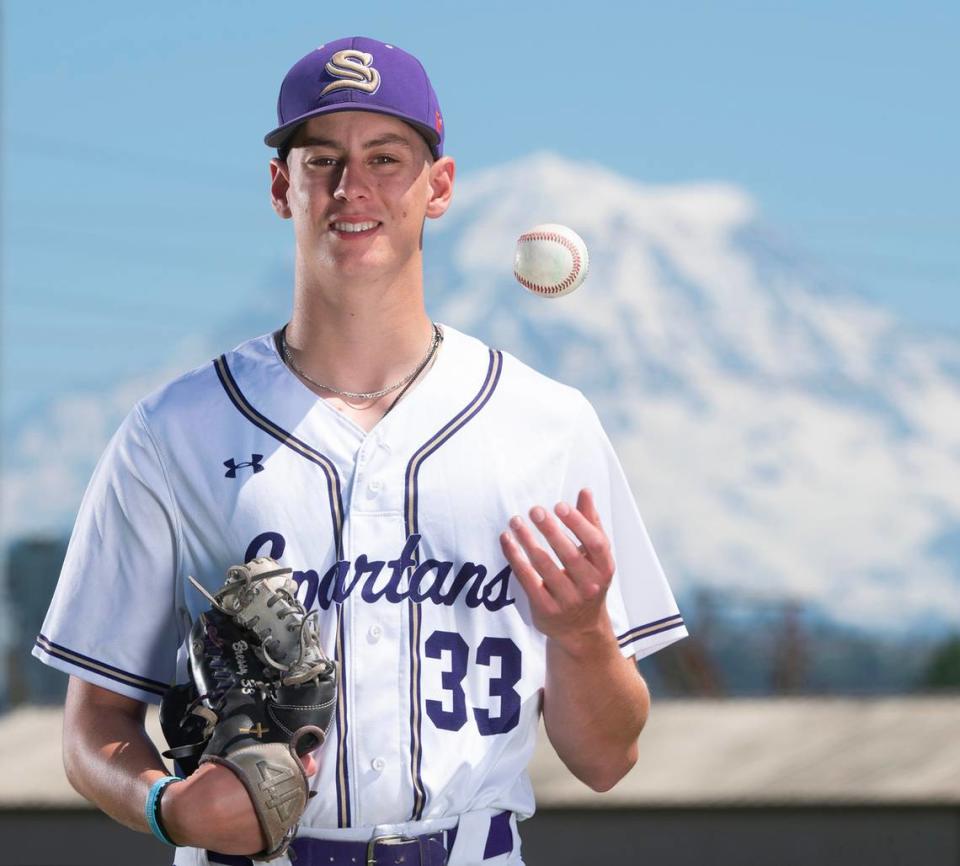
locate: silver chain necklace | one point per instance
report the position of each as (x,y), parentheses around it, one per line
(364,395)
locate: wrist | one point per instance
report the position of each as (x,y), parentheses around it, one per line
(176,810)
(595,642)
(153,808)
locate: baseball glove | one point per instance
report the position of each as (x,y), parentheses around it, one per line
(262,692)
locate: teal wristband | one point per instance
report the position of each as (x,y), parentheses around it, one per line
(152,809)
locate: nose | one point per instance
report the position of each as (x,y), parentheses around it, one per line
(352,183)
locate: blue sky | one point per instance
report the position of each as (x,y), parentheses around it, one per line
(134,188)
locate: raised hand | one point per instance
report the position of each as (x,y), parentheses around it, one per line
(567,603)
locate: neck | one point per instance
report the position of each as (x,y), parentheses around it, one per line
(358,337)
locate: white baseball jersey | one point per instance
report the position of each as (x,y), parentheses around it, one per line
(392,534)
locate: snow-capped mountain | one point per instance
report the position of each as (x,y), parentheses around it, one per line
(782,437)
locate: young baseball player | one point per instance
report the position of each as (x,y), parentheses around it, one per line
(459,521)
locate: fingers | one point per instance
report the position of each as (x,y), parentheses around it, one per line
(586,568)
(540,598)
(584,523)
(587,507)
(566,549)
(559,583)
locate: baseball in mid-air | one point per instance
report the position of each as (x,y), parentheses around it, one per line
(551,260)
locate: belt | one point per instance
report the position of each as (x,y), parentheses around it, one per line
(429,849)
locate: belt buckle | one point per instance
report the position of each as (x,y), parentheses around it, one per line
(372,844)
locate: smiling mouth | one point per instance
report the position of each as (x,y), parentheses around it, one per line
(352,227)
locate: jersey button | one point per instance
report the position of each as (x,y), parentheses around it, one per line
(378,764)
(375,485)
(375,633)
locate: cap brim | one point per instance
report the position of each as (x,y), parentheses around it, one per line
(282,134)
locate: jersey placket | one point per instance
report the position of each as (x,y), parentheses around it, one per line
(375,628)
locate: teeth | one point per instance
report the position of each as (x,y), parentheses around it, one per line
(354,227)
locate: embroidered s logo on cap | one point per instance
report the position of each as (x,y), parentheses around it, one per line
(352,69)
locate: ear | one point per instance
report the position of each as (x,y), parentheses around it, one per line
(279,187)
(441,186)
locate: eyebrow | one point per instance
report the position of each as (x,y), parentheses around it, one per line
(380,141)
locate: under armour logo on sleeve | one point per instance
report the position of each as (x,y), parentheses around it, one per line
(254,463)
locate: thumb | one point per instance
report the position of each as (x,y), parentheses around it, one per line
(310,765)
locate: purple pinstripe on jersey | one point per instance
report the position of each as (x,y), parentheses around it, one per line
(411,502)
(290,441)
(98,667)
(343,776)
(336,514)
(650,628)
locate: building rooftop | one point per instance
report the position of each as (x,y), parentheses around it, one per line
(779,751)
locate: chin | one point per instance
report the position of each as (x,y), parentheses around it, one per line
(355,267)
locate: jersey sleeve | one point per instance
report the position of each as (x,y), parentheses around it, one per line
(642,608)
(112,620)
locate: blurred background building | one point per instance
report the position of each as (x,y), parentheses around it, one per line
(30,575)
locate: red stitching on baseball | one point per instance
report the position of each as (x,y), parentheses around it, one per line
(555,288)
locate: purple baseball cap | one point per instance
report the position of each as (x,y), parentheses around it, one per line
(358,74)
